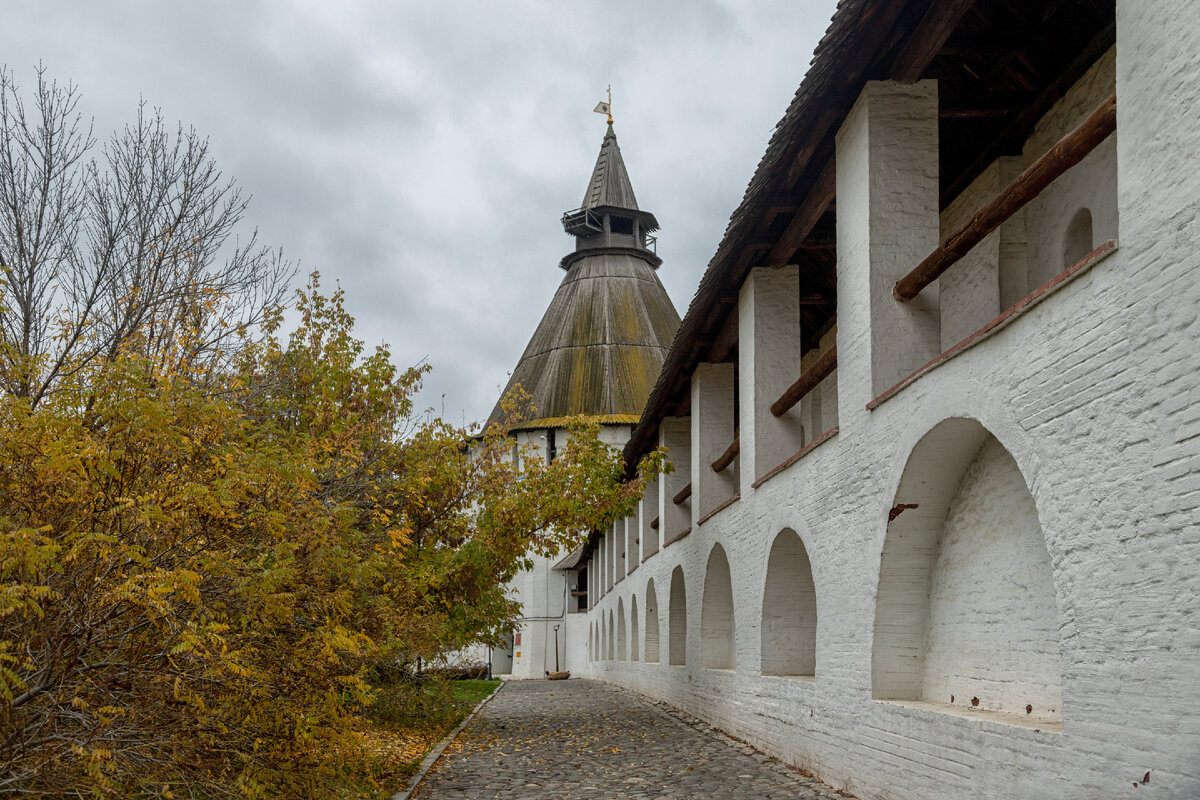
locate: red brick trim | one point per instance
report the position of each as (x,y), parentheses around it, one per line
(1024,304)
(801,453)
(721,507)
(677,537)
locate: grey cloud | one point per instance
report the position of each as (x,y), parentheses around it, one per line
(421,154)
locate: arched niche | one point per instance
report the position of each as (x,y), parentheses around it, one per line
(789,612)
(612,632)
(965,613)
(600,651)
(651,623)
(677,622)
(716,613)
(622,634)
(633,628)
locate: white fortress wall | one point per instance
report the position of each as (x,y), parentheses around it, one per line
(1052,469)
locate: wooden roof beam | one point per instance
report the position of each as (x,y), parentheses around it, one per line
(940,20)
(982,104)
(807,216)
(816,299)
(1014,134)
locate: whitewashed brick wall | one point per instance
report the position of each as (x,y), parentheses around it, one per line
(1094,395)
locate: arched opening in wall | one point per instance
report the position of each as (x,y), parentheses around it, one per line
(716,613)
(600,651)
(612,631)
(1077,240)
(591,639)
(651,623)
(633,628)
(677,620)
(966,613)
(789,612)
(621,631)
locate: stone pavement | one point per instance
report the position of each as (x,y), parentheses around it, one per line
(586,739)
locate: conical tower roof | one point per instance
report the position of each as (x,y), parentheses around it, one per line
(601,344)
(610,184)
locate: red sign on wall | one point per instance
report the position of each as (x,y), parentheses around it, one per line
(517,641)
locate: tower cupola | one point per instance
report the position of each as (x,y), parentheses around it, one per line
(601,343)
(609,216)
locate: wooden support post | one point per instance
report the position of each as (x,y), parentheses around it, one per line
(1066,153)
(682,495)
(808,381)
(726,458)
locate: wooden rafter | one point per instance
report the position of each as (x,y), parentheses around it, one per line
(940,20)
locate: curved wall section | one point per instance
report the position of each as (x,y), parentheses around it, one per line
(966,613)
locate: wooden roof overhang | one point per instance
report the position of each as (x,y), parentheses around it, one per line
(1000,66)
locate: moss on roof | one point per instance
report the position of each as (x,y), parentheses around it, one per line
(601,343)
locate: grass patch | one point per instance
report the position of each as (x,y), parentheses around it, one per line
(472,691)
(407,719)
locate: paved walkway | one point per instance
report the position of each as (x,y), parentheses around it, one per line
(585,739)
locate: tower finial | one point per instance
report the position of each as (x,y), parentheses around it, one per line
(605,107)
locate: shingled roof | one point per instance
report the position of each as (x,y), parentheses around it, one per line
(610,184)
(600,345)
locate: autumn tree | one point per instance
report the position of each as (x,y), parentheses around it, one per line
(200,571)
(214,535)
(122,249)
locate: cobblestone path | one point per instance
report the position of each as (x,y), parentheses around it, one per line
(587,740)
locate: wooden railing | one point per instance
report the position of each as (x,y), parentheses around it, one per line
(808,380)
(1066,153)
(725,459)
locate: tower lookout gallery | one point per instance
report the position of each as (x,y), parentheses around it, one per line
(597,351)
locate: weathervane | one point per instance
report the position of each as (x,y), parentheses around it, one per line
(605,107)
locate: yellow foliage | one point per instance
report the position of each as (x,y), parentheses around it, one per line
(203,573)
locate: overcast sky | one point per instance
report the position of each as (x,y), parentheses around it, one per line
(421,153)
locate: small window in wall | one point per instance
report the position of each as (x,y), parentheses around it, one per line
(621,225)
(1077,241)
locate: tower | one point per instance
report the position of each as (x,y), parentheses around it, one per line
(597,351)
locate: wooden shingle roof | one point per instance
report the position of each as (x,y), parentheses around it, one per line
(610,184)
(600,345)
